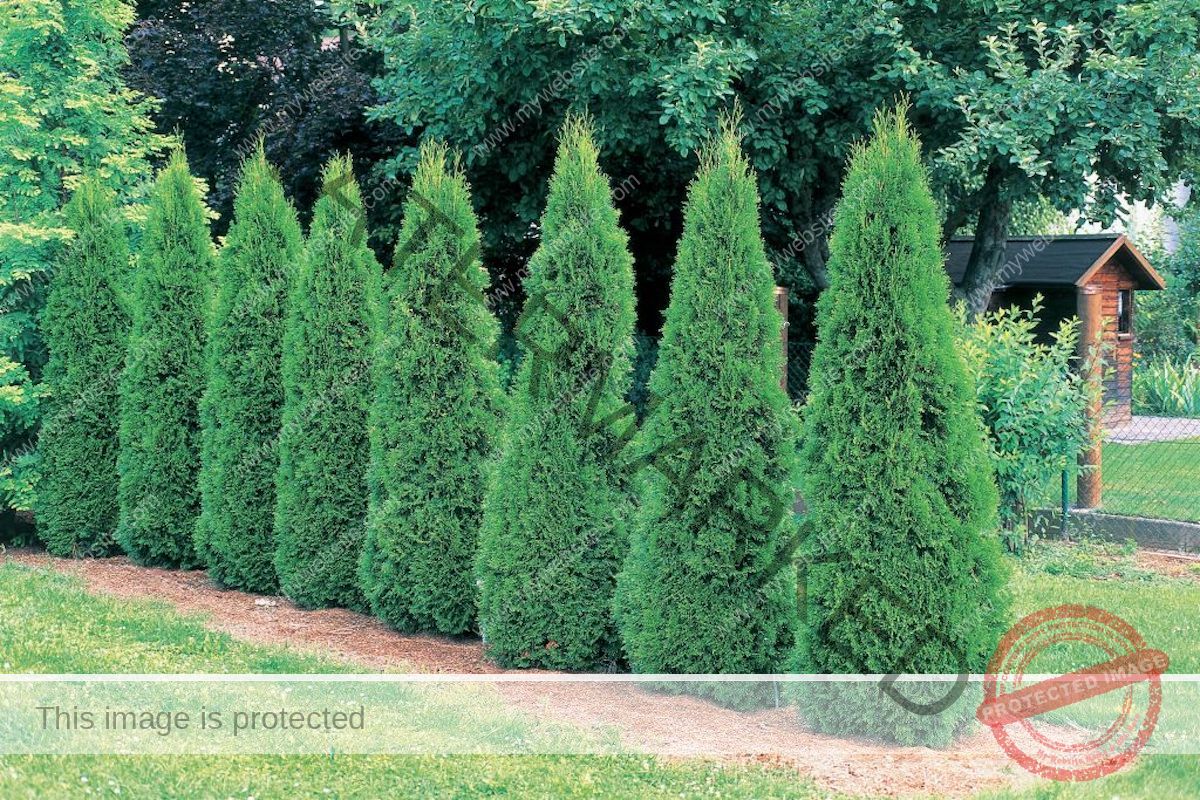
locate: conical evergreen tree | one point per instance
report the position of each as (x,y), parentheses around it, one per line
(86,330)
(548,551)
(243,402)
(707,586)
(436,413)
(164,377)
(328,351)
(895,465)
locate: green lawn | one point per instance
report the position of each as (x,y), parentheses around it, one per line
(1160,480)
(1156,479)
(1166,612)
(49,624)
(1153,778)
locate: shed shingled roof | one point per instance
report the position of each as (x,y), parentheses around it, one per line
(1057,261)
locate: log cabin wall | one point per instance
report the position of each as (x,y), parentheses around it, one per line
(1112,279)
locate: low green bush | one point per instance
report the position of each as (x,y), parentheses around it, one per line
(1033,402)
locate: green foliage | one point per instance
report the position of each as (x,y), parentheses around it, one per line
(1033,402)
(328,351)
(1089,558)
(230,73)
(1037,216)
(1168,322)
(436,413)
(549,548)
(19,408)
(164,376)
(894,462)
(1168,389)
(1015,101)
(64,112)
(702,590)
(243,402)
(86,331)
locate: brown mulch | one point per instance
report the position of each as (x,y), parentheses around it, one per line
(659,723)
(1173,565)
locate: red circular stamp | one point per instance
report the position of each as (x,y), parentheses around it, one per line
(1123,664)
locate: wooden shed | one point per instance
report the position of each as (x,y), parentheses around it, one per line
(1077,276)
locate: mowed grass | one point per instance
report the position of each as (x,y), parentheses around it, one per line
(1166,613)
(1152,778)
(49,624)
(270,777)
(1156,479)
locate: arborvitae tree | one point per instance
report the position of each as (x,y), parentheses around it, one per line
(328,352)
(241,408)
(164,376)
(86,330)
(549,553)
(708,587)
(435,415)
(895,466)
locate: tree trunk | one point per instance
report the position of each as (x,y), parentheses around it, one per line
(814,263)
(817,213)
(987,255)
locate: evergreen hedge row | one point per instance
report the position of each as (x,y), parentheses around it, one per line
(357,450)
(549,553)
(708,586)
(895,465)
(86,330)
(243,402)
(164,378)
(328,351)
(436,412)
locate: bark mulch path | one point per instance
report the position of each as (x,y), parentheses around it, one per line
(678,725)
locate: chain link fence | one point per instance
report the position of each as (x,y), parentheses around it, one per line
(1150,467)
(799,363)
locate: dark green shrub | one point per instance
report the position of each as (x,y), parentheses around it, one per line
(549,552)
(328,352)
(241,407)
(436,413)
(161,387)
(86,331)
(895,466)
(708,587)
